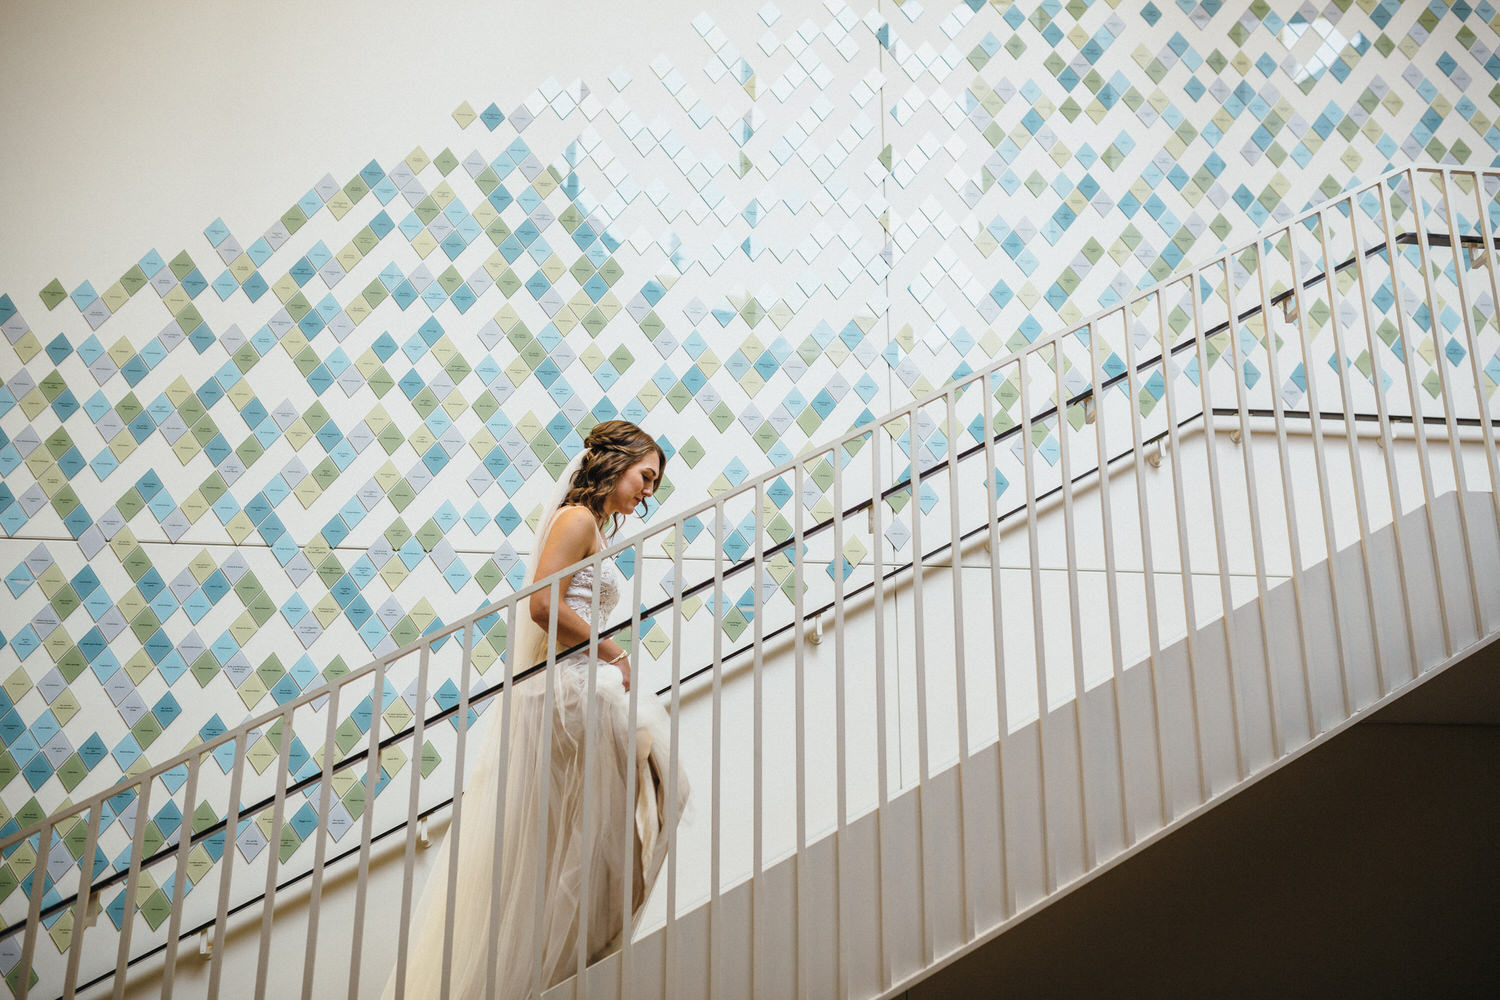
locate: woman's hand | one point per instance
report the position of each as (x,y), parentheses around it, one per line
(624,664)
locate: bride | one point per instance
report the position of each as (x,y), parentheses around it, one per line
(618,469)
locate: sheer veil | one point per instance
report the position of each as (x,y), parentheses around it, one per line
(477,940)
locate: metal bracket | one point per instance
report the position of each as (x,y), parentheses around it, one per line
(205,944)
(422,837)
(1156,453)
(1235,436)
(816,636)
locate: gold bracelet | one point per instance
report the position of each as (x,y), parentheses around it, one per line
(620,656)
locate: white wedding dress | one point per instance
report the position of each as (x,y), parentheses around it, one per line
(571,776)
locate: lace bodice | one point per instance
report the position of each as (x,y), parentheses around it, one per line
(580,594)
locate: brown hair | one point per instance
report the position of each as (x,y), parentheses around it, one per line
(612,447)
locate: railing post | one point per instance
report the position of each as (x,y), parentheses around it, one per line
(716,755)
(179,877)
(1440,362)
(1418,422)
(84,899)
(1111,582)
(1294,545)
(320,847)
(1387,440)
(1486,425)
(1148,559)
(757,702)
(882,764)
(632,763)
(455,826)
(1320,468)
(1179,513)
(413,808)
(23,968)
(1002,714)
(1070,544)
(1034,551)
(1252,497)
(1216,496)
(840,696)
(1351,437)
(278,819)
(951,431)
(367,827)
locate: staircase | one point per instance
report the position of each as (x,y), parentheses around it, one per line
(926,678)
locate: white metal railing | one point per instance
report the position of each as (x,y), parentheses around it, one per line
(1166,369)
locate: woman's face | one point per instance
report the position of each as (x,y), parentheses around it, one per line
(634,485)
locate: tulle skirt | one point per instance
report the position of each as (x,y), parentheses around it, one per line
(544,866)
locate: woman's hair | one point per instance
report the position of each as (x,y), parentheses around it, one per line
(612,447)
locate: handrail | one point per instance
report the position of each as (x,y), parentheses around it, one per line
(494,690)
(901,485)
(438,635)
(916,469)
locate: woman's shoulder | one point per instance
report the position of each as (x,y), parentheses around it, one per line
(577,524)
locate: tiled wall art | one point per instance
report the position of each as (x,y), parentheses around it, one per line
(239,468)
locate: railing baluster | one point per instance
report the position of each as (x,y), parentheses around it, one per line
(1216,498)
(1111,583)
(799,574)
(919,639)
(1387,440)
(82,903)
(1049,870)
(1288,492)
(1351,438)
(679,542)
(273,857)
(757,705)
(951,431)
(320,845)
(1090,852)
(1148,559)
(882,764)
(632,759)
(1179,517)
(1440,362)
(455,825)
(179,877)
(367,828)
(1418,422)
(1002,724)
(543,782)
(716,800)
(1487,428)
(841,769)
(127,914)
(1252,497)
(1320,468)
(590,756)
(413,808)
(226,865)
(23,970)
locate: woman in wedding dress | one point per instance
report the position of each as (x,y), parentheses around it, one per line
(618,469)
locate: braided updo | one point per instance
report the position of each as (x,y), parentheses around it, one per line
(612,447)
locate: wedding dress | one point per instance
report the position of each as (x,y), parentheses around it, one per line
(571,774)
